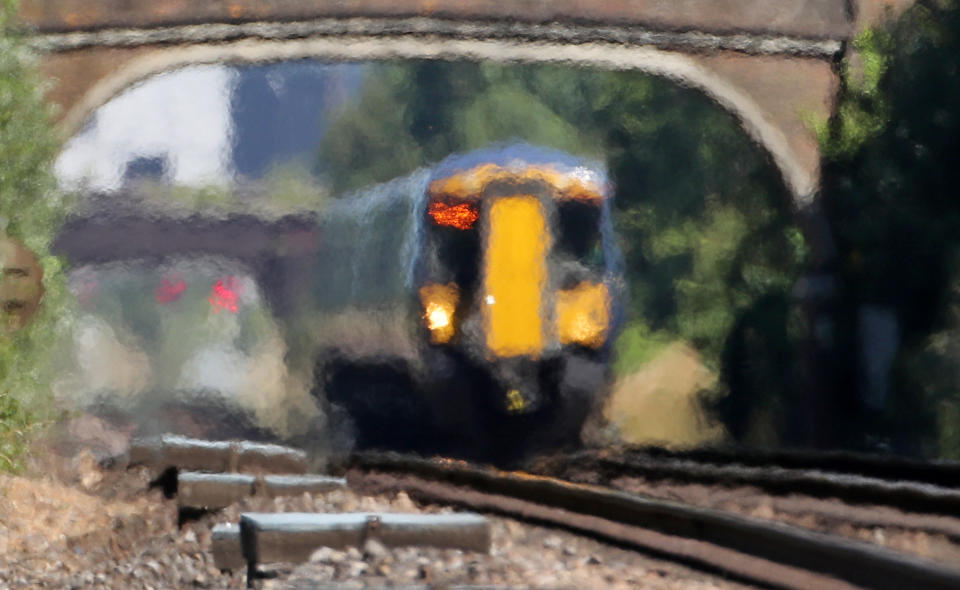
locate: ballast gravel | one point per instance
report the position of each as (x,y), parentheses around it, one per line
(86,528)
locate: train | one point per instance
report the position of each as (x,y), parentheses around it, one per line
(468,308)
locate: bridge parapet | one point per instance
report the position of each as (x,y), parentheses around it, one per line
(818,19)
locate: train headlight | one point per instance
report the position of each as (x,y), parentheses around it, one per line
(583,314)
(438,317)
(439,304)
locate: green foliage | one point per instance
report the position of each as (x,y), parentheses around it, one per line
(31,210)
(637,346)
(15,426)
(285,189)
(890,192)
(414,113)
(713,246)
(514,112)
(369,141)
(292,187)
(207,198)
(864,112)
(26,143)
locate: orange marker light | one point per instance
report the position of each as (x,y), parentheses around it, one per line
(583,314)
(460,216)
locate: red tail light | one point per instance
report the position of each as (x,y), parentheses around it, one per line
(460,216)
(225,294)
(170,289)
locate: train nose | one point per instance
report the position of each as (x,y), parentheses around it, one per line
(515,272)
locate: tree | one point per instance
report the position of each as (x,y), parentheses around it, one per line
(30,211)
(890,194)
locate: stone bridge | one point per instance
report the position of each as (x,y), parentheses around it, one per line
(772,63)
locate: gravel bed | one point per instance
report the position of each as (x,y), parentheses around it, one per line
(97,529)
(56,536)
(522,556)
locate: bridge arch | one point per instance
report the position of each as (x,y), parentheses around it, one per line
(798,169)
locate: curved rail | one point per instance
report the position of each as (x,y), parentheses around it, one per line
(906,484)
(879,466)
(768,553)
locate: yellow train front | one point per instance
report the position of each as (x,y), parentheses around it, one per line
(515,280)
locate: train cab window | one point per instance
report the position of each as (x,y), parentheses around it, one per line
(578,233)
(457,253)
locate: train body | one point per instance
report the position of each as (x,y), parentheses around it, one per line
(469,308)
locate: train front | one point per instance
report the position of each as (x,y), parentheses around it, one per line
(518,288)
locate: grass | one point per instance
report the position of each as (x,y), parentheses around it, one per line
(16,425)
(636,346)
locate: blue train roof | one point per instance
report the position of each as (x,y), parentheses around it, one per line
(518,157)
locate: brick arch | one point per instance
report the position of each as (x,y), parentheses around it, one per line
(793,153)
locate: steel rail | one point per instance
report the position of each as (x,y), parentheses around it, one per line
(881,466)
(906,495)
(765,552)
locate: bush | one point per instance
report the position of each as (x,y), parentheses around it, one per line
(890,192)
(30,212)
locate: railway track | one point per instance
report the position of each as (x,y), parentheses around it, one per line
(887,467)
(750,550)
(916,486)
(766,553)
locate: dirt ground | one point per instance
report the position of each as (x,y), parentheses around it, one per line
(659,402)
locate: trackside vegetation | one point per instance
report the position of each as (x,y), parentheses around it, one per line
(30,211)
(890,191)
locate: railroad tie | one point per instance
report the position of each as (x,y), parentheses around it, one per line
(294,536)
(166,451)
(211,491)
(225,546)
